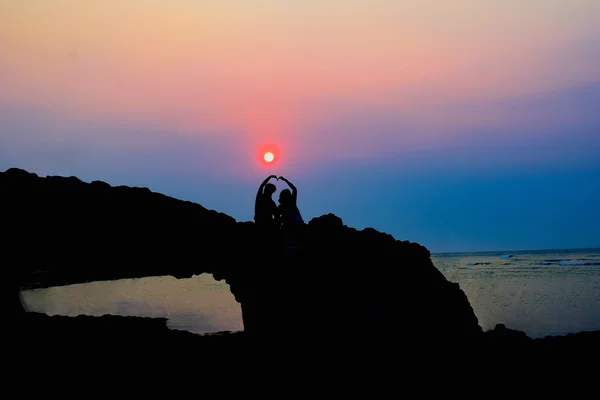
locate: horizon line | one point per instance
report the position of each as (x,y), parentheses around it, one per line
(517,251)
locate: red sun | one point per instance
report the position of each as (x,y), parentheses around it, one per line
(269,157)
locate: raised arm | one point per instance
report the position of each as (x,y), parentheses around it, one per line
(291,185)
(262,186)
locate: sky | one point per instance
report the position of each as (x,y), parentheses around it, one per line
(464,125)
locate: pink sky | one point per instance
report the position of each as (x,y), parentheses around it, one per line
(264,70)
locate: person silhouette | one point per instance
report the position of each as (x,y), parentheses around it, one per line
(266,215)
(289,214)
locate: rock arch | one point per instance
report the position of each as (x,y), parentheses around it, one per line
(360,282)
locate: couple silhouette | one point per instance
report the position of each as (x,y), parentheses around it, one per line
(285,217)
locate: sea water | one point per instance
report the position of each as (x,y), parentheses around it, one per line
(199,304)
(538,292)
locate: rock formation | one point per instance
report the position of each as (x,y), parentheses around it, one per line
(60,230)
(348,312)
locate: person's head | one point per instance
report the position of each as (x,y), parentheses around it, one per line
(269,189)
(285,196)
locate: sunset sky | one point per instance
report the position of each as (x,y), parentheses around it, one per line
(463,125)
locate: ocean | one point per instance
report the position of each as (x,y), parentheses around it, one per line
(539,292)
(542,293)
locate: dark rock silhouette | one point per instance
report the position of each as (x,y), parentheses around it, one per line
(64,231)
(353,299)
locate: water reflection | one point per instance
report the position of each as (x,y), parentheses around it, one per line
(199,304)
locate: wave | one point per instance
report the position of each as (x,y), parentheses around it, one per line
(570,261)
(578,264)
